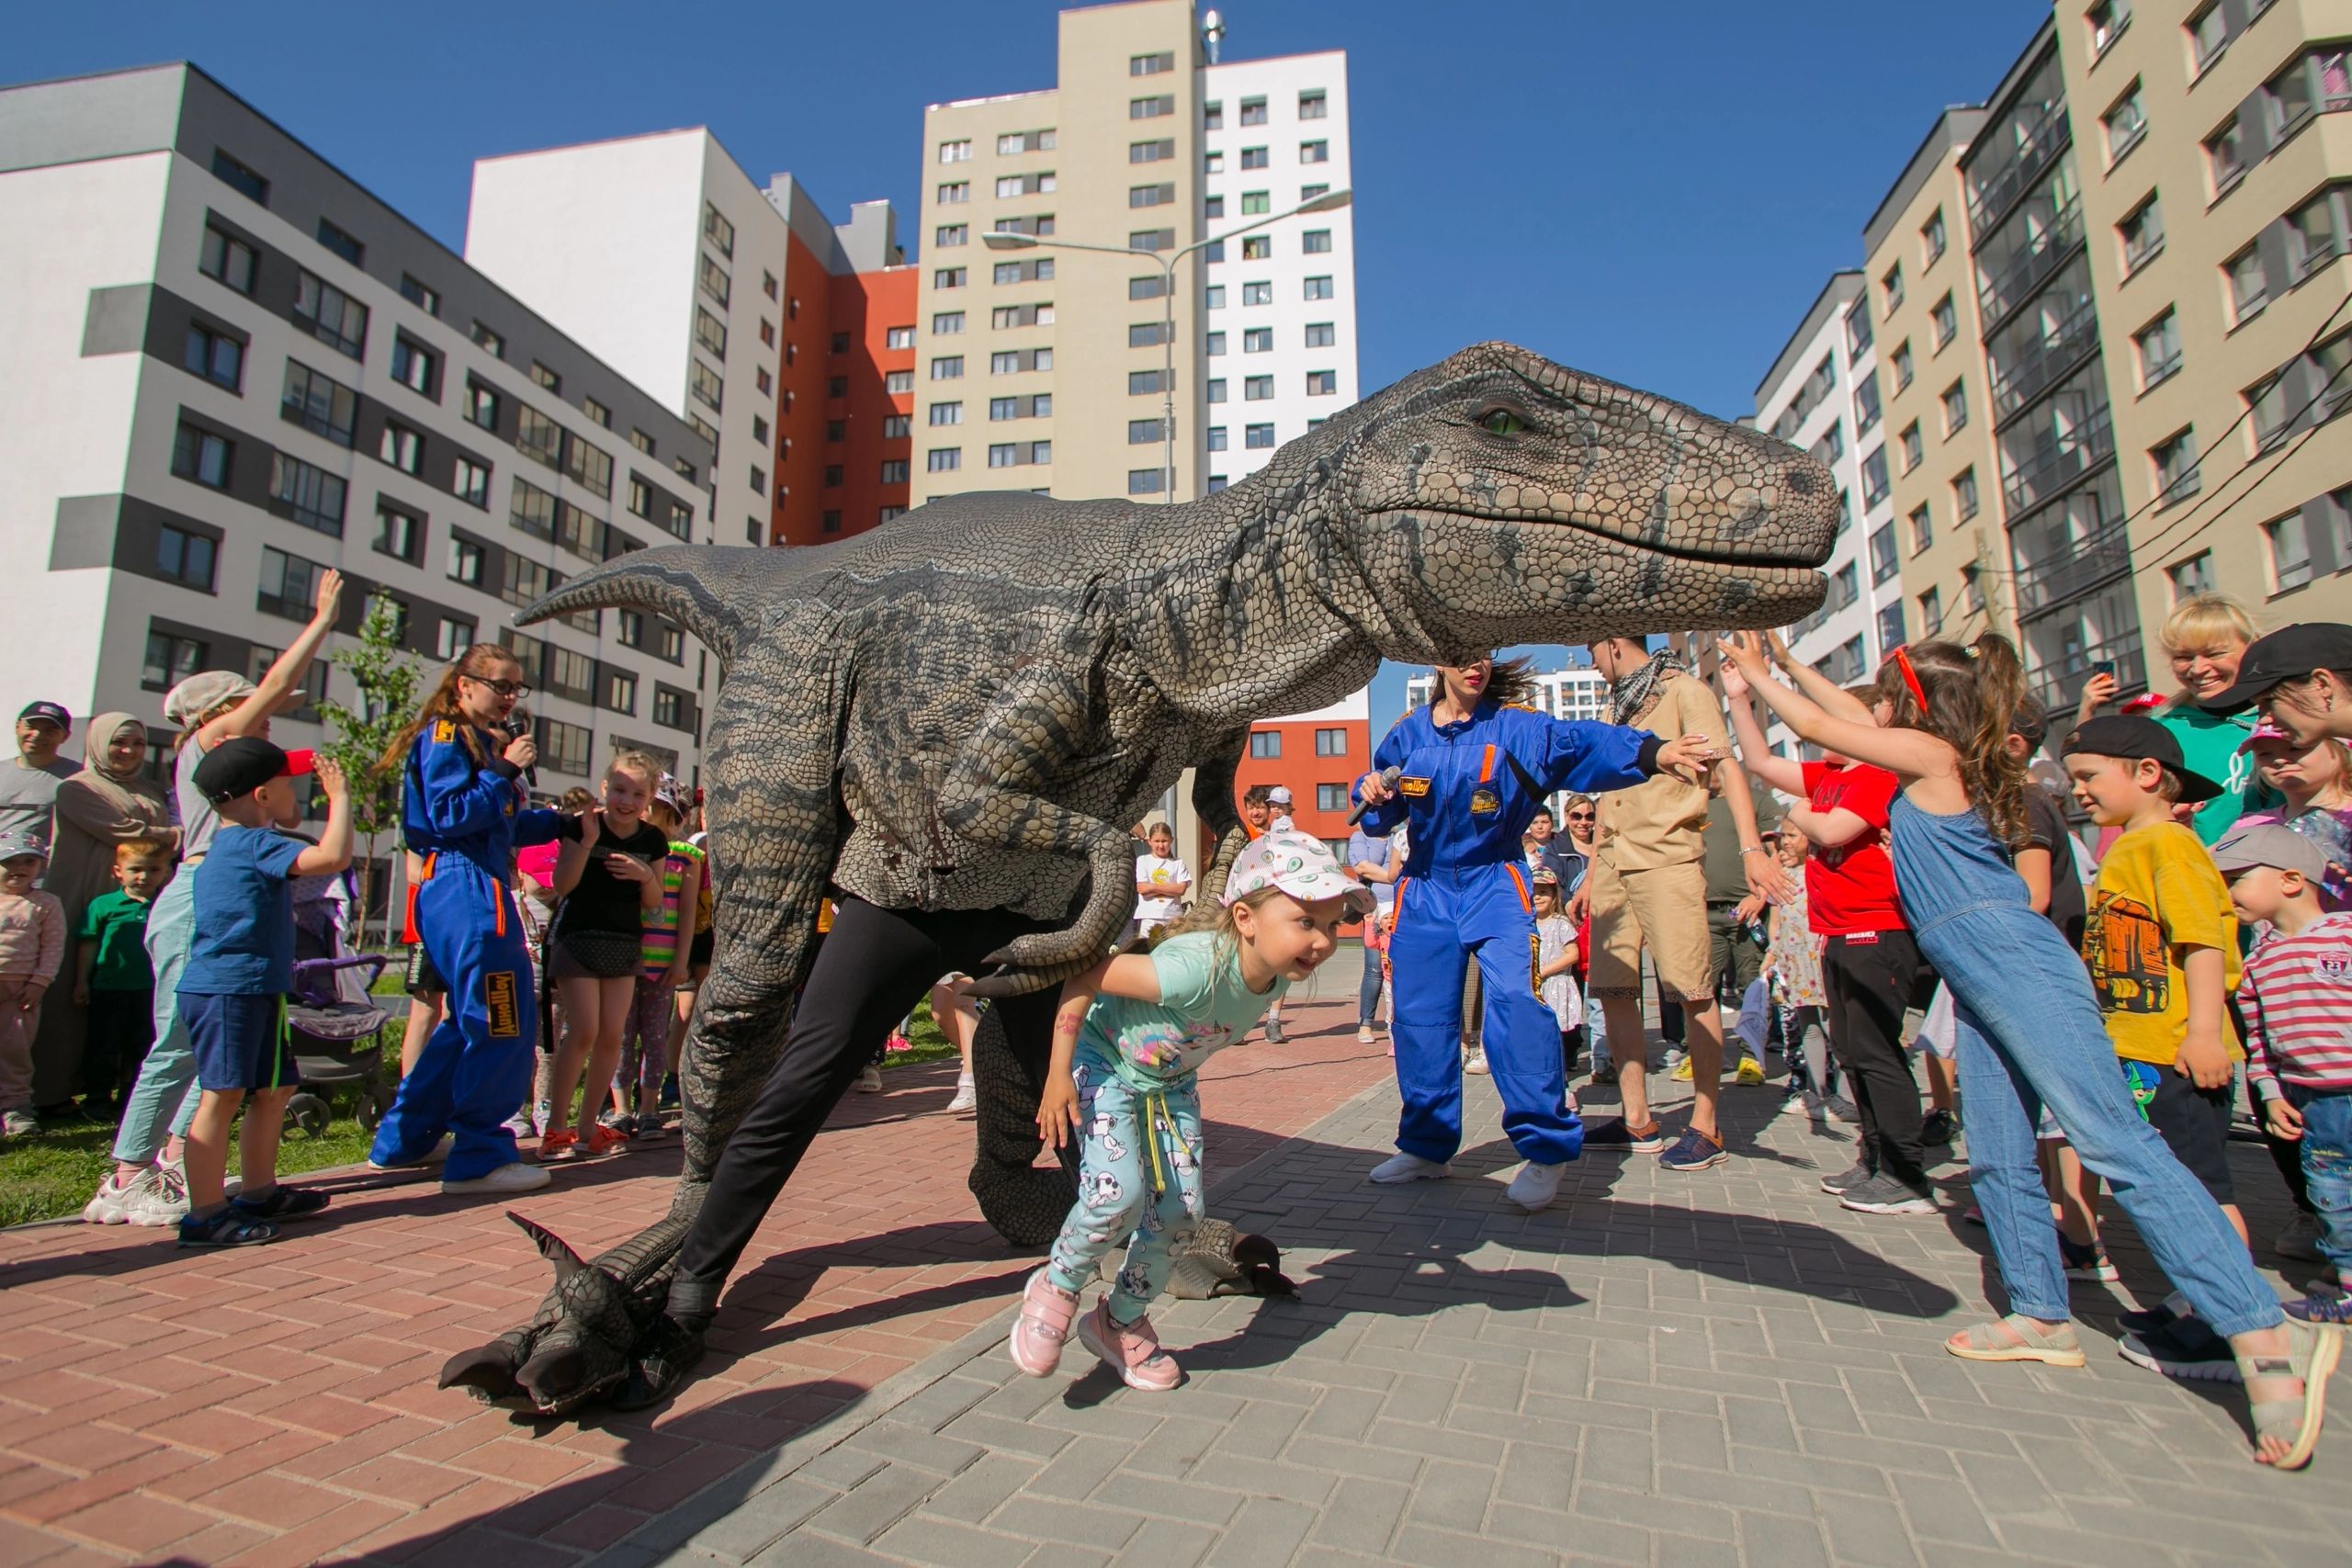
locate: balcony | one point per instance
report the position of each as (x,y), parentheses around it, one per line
(2037,145)
(2058,682)
(2004,290)
(2030,374)
(2089,564)
(2075,453)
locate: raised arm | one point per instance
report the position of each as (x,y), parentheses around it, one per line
(1756,753)
(285,674)
(1831,698)
(1906,753)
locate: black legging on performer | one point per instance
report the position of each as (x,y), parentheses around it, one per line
(873,966)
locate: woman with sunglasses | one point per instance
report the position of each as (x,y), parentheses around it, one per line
(464,809)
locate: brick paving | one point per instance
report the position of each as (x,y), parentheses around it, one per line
(1665,1370)
(279,1406)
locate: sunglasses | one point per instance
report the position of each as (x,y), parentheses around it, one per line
(1580,816)
(503,688)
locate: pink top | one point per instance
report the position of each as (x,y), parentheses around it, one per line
(32,935)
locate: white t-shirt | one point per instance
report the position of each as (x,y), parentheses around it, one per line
(1164,872)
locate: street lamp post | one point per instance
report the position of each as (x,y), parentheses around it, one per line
(1329,201)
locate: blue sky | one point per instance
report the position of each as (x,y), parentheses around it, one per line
(1651,192)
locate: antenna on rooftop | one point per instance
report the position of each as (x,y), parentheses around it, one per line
(1212,34)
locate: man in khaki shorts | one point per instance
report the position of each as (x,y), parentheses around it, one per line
(1647,888)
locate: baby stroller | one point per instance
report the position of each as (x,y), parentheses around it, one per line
(332,1014)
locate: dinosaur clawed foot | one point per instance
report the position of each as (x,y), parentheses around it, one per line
(486,1372)
(669,1352)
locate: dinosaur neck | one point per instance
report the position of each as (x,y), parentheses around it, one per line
(1244,594)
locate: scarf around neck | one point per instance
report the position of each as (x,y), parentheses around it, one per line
(1629,697)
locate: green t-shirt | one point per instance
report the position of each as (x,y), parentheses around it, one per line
(118,923)
(2209,744)
(1203,1006)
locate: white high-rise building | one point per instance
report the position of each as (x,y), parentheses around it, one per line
(1821,394)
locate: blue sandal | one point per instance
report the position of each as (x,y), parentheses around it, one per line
(280,1202)
(227,1228)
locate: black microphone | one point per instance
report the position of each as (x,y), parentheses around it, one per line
(1389,777)
(518,725)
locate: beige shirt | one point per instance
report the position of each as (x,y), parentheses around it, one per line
(32,935)
(1662,821)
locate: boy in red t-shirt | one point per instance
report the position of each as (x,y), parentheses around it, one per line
(1870,965)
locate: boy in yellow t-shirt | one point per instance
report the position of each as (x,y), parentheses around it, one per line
(2162,940)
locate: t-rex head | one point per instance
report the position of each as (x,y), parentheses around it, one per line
(1498,498)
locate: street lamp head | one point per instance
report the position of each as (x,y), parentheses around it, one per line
(1329,201)
(995,241)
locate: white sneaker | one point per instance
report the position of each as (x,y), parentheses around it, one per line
(869,1080)
(113,1205)
(1475,1062)
(1535,1186)
(1401,1167)
(165,1202)
(516,1176)
(968,1096)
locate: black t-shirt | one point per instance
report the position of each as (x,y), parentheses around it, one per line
(2046,829)
(603,902)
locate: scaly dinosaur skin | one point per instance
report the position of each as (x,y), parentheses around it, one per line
(965,709)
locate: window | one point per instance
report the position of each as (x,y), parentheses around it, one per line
(713,280)
(1142,381)
(2315,235)
(401,447)
(1254,158)
(2125,124)
(2225,157)
(1329,796)
(1258,436)
(1257,293)
(185,557)
(1216,437)
(1963,494)
(717,229)
(1890,626)
(1146,481)
(1150,109)
(943,459)
(949,234)
(1318,289)
(1315,152)
(400,533)
(1258,340)
(947,278)
(330,315)
(1149,334)
(338,240)
(2290,552)
(1931,238)
(1012,362)
(1832,445)
(456,635)
(948,413)
(1316,242)
(466,560)
(1142,432)
(1901,360)
(1333,743)
(2143,234)
(2157,348)
(1253,111)
(415,367)
(1013,143)
(1151,151)
(1265,744)
(1151,195)
(1214,391)
(673,709)
(307,495)
(2209,33)
(1257,388)
(1313,104)
(1884,563)
(2269,408)
(1931,613)
(538,436)
(1866,404)
(227,260)
(591,465)
(2174,462)
(758,478)
(1913,448)
(481,405)
(955,152)
(1858,330)
(170,659)
(1151,240)
(1874,479)
(2107,21)
(705,384)
(490,341)
(470,481)
(1946,320)
(1890,287)
(1321,334)
(953,193)
(290,586)
(201,456)
(946,323)
(1955,405)
(2249,284)
(321,405)
(1212,116)
(894,472)
(215,355)
(618,691)
(240,177)
(1322,383)
(898,381)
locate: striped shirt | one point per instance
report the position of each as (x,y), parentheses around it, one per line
(2297,997)
(660,949)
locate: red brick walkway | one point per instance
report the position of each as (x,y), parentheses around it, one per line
(279,1406)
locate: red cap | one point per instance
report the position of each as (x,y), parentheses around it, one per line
(298,764)
(2144,702)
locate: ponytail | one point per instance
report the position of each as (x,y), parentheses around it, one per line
(476,663)
(1972,697)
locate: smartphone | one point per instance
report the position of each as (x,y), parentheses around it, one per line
(2104,667)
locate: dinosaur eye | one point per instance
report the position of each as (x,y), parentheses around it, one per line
(1502,422)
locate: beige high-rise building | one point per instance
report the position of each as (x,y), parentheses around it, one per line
(1047,367)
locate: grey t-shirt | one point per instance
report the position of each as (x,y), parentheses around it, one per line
(28,797)
(199,821)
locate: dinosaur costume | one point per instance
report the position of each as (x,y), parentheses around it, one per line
(952,721)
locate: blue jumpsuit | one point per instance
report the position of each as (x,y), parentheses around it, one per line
(467,819)
(1465,893)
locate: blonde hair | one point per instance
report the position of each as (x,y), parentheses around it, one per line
(1215,915)
(643,767)
(2207,620)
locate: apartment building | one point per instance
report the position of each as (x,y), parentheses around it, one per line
(1823,394)
(1319,756)
(2216,157)
(1047,364)
(232,369)
(787,340)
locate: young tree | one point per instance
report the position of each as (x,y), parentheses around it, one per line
(386,678)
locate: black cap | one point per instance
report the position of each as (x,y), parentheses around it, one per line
(49,713)
(2287,654)
(242,764)
(2130,735)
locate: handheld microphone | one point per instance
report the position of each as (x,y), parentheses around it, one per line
(1389,777)
(518,725)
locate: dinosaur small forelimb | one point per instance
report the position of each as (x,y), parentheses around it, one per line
(1055,956)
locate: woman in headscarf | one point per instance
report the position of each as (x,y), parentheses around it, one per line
(107,803)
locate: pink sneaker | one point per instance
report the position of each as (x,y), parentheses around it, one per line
(1043,1325)
(1132,1351)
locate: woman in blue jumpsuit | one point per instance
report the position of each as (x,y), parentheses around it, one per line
(1471,769)
(465,812)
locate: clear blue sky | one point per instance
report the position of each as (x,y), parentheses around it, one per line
(1651,192)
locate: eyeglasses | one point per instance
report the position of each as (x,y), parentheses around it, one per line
(517,689)
(1580,816)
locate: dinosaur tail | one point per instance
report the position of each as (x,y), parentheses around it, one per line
(719,594)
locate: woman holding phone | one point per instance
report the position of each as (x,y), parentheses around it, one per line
(2205,638)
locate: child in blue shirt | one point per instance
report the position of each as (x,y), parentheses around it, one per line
(232,993)
(1128,1042)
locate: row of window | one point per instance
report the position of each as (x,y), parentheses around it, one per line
(1267,745)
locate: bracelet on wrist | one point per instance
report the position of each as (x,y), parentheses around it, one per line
(1753,849)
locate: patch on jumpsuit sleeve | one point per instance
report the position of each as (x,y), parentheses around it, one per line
(1416,788)
(501,1000)
(444,731)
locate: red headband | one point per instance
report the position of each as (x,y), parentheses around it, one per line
(1910,677)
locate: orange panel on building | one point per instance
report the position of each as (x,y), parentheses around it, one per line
(1310,768)
(834,405)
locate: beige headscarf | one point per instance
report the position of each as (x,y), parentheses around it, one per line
(120,789)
